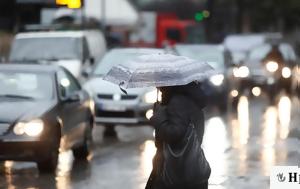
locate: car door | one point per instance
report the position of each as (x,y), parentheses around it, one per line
(73,110)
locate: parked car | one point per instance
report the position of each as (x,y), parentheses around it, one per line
(70,49)
(216,87)
(112,106)
(43,109)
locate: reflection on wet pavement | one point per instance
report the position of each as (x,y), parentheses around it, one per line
(148,152)
(241,148)
(241,153)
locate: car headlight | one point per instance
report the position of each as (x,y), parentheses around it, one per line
(32,128)
(236,72)
(217,80)
(151,97)
(286,72)
(272,66)
(244,71)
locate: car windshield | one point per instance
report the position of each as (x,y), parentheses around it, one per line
(238,56)
(261,52)
(212,56)
(114,58)
(49,48)
(26,85)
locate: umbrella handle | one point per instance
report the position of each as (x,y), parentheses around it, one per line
(157,91)
(123,90)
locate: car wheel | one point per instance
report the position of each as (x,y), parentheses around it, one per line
(49,163)
(83,151)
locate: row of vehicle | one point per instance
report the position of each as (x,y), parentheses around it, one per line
(261,63)
(44,109)
(244,64)
(247,65)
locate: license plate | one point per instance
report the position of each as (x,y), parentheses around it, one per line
(115,108)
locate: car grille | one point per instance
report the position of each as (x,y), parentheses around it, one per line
(4,128)
(126,114)
(123,97)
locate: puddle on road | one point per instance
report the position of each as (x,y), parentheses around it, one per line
(19,175)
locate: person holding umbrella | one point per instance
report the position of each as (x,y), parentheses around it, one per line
(178,119)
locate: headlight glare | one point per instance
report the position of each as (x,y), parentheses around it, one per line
(243,71)
(286,72)
(151,97)
(272,66)
(32,128)
(217,80)
(236,72)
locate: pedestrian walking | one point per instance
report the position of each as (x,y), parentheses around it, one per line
(179,111)
(179,162)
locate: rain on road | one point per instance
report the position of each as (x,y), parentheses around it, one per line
(241,148)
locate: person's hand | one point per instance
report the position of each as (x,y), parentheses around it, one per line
(159,114)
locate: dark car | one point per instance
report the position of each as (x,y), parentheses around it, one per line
(215,87)
(42,110)
(266,70)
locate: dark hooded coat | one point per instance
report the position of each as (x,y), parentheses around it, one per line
(180,106)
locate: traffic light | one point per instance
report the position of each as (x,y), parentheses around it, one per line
(200,16)
(71,4)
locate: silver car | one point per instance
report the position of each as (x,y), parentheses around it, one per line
(112,106)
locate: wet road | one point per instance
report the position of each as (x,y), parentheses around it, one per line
(241,148)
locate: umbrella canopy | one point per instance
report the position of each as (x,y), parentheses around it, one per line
(157,70)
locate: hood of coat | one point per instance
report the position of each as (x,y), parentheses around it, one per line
(192,91)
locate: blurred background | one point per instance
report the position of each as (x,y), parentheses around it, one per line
(252,117)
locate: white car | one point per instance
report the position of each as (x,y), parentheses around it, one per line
(74,50)
(112,106)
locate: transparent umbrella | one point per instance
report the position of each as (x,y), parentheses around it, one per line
(158,70)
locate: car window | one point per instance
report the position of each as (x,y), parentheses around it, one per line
(67,84)
(288,52)
(261,52)
(33,85)
(48,48)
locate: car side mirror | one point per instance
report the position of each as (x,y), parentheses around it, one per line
(75,97)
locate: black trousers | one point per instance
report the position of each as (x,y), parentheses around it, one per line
(158,185)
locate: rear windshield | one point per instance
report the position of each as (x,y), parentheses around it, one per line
(50,48)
